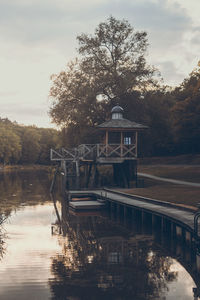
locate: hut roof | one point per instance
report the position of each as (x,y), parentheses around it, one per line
(117,109)
(121,124)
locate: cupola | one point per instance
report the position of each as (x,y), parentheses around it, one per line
(117,112)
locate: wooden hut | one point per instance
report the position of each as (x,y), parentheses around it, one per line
(119,148)
(120,137)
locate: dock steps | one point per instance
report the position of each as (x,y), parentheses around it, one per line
(84,200)
(86,204)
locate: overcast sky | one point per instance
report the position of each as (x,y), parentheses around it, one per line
(38,38)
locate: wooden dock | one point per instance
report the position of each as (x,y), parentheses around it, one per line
(181,215)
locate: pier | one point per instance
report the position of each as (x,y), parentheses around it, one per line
(180,215)
(147,220)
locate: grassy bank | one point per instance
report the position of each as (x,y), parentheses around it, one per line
(184,167)
(190,173)
(187,159)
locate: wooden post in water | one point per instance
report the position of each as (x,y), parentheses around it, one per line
(88,175)
(54,179)
(77,174)
(135,174)
(64,175)
(95,175)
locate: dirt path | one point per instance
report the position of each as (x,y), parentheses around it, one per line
(169,180)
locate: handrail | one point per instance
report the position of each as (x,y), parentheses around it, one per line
(116,150)
(87,151)
(95,151)
(63,154)
(196,224)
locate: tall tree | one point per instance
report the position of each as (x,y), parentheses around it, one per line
(115,58)
(112,65)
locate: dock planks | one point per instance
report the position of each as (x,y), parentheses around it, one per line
(185,216)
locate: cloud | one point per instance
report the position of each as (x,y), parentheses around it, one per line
(8,93)
(26,113)
(168,68)
(195,36)
(33,21)
(30,109)
(36,21)
(56,24)
(38,38)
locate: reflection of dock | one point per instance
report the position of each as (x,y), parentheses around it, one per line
(85,213)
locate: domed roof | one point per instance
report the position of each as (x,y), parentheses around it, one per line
(117,109)
(119,123)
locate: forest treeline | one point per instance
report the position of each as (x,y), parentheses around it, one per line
(111,68)
(26,144)
(173,117)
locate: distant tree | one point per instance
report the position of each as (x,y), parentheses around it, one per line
(49,138)
(111,67)
(30,145)
(158,139)
(26,144)
(10,146)
(186,115)
(5,121)
(185,89)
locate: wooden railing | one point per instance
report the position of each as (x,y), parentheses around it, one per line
(116,150)
(87,151)
(63,154)
(92,151)
(95,151)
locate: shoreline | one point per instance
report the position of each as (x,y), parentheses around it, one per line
(9,168)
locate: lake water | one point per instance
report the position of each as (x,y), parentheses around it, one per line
(49,252)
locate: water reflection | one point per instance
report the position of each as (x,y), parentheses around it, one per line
(28,246)
(103,260)
(54,253)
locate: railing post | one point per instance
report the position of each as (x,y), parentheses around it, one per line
(196,217)
(51,154)
(121,144)
(136,144)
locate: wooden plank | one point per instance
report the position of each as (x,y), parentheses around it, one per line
(85,213)
(176,213)
(74,199)
(88,175)
(84,205)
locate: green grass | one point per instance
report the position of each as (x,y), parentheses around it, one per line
(185,168)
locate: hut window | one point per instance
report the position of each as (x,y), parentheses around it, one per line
(117,116)
(127,140)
